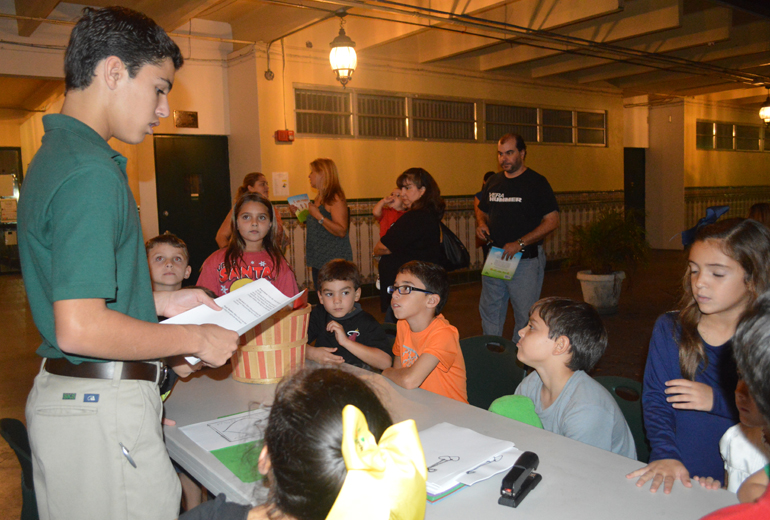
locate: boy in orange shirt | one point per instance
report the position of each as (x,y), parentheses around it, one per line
(427,350)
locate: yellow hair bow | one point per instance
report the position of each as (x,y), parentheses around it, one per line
(384,481)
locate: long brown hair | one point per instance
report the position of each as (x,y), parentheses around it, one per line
(237,245)
(331,189)
(748,243)
(431,199)
(249,180)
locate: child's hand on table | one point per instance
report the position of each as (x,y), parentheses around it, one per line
(664,471)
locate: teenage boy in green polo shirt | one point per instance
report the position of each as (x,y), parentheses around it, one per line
(94,412)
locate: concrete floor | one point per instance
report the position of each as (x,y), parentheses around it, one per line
(651,291)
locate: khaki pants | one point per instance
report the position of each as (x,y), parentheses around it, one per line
(75,428)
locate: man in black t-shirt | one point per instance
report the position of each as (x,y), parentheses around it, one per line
(518,209)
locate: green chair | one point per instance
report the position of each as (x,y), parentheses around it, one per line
(628,395)
(15,433)
(491,368)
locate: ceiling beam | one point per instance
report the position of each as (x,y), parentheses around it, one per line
(702,28)
(526,14)
(34,9)
(637,18)
(746,40)
(171,14)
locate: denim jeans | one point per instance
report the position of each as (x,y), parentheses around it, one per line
(523,290)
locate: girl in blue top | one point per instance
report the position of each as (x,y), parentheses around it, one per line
(690,377)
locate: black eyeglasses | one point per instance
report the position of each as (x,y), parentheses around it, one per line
(406,289)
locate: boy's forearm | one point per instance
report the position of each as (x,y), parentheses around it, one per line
(401,377)
(88,328)
(372,356)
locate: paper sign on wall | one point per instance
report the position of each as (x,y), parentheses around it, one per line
(280,184)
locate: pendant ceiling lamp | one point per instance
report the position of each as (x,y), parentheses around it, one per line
(343,54)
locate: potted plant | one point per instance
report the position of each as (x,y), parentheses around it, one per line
(606,248)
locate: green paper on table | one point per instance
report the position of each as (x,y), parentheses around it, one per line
(242,460)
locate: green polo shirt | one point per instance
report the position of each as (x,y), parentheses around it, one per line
(79,231)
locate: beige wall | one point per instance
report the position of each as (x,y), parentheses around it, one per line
(10,134)
(704,168)
(369,167)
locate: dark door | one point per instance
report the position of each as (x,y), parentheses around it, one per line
(193,185)
(633,181)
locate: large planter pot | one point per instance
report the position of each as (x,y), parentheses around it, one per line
(602,290)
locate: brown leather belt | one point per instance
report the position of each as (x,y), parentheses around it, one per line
(131,370)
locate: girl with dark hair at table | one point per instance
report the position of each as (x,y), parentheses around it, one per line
(254,182)
(331,452)
(414,236)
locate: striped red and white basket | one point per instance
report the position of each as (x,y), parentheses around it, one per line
(272,349)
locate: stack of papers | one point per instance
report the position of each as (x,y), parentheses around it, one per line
(458,457)
(242,309)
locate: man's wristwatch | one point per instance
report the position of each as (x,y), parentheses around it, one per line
(521,244)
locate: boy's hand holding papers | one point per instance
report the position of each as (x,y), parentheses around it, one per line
(242,309)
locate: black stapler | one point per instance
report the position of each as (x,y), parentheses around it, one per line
(520,480)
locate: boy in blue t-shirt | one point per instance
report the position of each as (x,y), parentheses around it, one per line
(562,341)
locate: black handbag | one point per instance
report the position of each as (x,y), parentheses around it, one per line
(455,255)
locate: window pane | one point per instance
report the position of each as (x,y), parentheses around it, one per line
(590,120)
(381,105)
(747,132)
(439,119)
(328,124)
(511,115)
(381,116)
(704,142)
(557,118)
(704,128)
(557,135)
(381,126)
(495,131)
(322,112)
(322,101)
(746,144)
(589,136)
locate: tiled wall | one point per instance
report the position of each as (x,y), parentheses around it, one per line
(576,208)
(740,199)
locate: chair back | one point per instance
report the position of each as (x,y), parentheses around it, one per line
(491,367)
(15,433)
(628,395)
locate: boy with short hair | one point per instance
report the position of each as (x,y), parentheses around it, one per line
(562,341)
(751,346)
(343,332)
(168,260)
(427,349)
(93,415)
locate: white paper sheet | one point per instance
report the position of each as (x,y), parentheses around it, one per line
(450,451)
(229,431)
(497,464)
(242,309)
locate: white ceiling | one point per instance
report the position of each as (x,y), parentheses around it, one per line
(719,49)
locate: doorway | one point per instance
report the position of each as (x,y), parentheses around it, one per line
(193,188)
(633,182)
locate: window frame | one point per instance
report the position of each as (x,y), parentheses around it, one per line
(763,135)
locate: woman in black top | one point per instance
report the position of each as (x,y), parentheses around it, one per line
(414,236)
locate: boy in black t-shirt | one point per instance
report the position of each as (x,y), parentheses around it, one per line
(343,332)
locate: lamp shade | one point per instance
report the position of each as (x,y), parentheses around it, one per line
(343,57)
(764,112)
